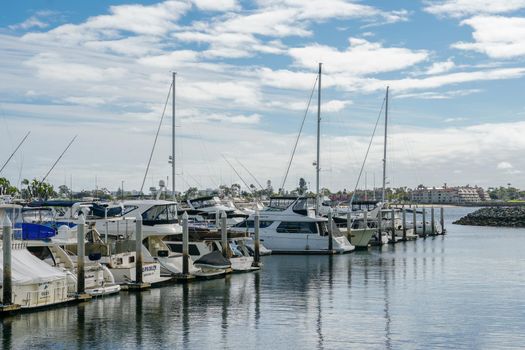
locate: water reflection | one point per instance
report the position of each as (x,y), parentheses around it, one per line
(424,294)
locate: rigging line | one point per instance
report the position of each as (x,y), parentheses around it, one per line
(299,135)
(156,137)
(249,172)
(367,151)
(60,157)
(239,175)
(14,152)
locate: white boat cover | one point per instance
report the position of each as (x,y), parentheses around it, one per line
(28,269)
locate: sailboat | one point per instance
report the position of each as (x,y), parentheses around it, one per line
(293,225)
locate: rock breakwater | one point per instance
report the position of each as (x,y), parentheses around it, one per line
(495,216)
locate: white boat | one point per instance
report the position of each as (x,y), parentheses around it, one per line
(289,225)
(207,207)
(204,253)
(99,280)
(34,283)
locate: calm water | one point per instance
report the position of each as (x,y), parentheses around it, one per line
(465,290)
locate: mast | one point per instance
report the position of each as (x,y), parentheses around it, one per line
(318,139)
(384,149)
(173,141)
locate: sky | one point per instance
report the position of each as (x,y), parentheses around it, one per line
(102,70)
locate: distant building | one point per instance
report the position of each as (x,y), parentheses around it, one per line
(449,195)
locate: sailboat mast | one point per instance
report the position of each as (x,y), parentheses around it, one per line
(384,149)
(173,140)
(318,139)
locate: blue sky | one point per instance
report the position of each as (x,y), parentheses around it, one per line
(102,69)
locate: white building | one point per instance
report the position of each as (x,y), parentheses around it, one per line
(449,195)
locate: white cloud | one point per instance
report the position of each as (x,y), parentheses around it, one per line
(504,166)
(155,19)
(496,36)
(362,57)
(463,8)
(436,81)
(334,106)
(440,67)
(31,22)
(52,66)
(216,5)
(444,95)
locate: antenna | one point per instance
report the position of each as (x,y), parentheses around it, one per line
(56,162)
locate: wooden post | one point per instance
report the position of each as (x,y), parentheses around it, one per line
(81,253)
(424,222)
(217,219)
(379,226)
(256,225)
(138,250)
(7,287)
(330,231)
(348,224)
(432,222)
(224,236)
(414,219)
(393,225)
(185,245)
(404,213)
(442,218)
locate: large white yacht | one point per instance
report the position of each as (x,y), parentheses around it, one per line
(207,207)
(289,225)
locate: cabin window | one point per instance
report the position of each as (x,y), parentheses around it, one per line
(176,247)
(194,250)
(297,227)
(128,209)
(43,253)
(251,224)
(161,212)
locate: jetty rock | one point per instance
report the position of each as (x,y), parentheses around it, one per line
(495,216)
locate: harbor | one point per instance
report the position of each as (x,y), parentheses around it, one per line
(427,293)
(268,174)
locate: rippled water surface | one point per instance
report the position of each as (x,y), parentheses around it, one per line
(464,290)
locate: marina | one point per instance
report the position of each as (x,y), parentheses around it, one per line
(428,293)
(267,174)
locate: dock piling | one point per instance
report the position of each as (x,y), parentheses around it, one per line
(432,221)
(404,213)
(424,222)
(224,236)
(442,219)
(7,287)
(379,226)
(393,225)
(138,250)
(256,226)
(330,231)
(348,224)
(185,245)
(81,253)
(217,219)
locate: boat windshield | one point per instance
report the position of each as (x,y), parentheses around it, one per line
(161,213)
(280,204)
(204,202)
(37,215)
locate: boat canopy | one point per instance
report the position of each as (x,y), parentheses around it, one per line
(27,269)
